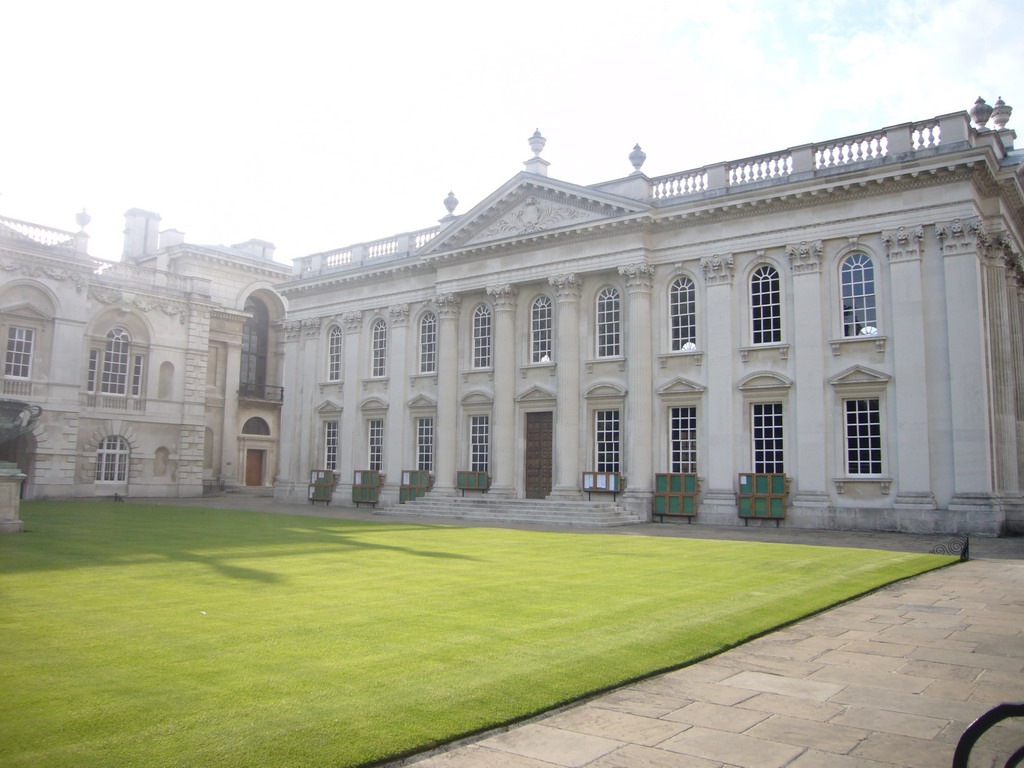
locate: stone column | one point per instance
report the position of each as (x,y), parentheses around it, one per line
(446,434)
(640,397)
(719,497)
(567,359)
(350,429)
(308,392)
(229,470)
(292,436)
(503,357)
(808,407)
(909,340)
(397,426)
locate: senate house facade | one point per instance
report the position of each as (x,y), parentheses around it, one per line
(828,336)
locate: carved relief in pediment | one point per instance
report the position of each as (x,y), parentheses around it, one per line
(535,214)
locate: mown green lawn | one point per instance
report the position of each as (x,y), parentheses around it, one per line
(136,635)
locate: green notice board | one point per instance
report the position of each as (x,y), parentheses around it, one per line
(365,486)
(472,481)
(675,495)
(762,496)
(321,485)
(415,483)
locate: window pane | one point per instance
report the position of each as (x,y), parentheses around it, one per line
(379,365)
(863,437)
(767,436)
(334,356)
(765,306)
(683,439)
(428,344)
(425,445)
(857,278)
(608,327)
(375,444)
(480,443)
(482,337)
(18,361)
(683,314)
(540,331)
(112,460)
(331,445)
(606,436)
(114,380)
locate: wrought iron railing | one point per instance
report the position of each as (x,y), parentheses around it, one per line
(261,392)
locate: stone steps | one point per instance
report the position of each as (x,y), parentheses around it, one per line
(581,514)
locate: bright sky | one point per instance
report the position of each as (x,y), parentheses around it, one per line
(319,124)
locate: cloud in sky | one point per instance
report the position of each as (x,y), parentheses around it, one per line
(318,124)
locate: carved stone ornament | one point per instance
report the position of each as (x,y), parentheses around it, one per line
(311,327)
(903,244)
(34,270)
(958,236)
(129,302)
(291,329)
(399,314)
(567,287)
(638,276)
(718,269)
(353,321)
(805,257)
(535,215)
(503,296)
(447,305)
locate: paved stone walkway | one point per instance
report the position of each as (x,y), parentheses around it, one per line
(890,679)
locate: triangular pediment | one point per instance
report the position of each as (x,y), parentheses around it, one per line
(858,374)
(681,386)
(535,393)
(422,401)
(26,311)
(527,205)
(762,380)
(329,406)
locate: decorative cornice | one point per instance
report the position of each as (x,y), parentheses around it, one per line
(130,302)
(805,258)
(353,321)
(36,270)
(718,269)
(639,276)
(399,314)
(567,287)
(447,305)
(903,244)
(503,296)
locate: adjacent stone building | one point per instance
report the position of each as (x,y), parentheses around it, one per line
(159,374)
(846,313)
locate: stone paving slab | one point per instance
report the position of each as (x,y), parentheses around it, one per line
(889,680)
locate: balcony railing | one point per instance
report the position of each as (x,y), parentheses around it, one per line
(261,392)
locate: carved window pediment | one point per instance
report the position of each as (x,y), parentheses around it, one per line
(681,386)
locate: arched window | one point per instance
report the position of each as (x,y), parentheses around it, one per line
(334,354)
(379,349)
(765,306)
(114,380)
(857,281)
(482,337)
(428,343)
(254,343)
(255,426)
(112,460)
(540,330)
(682,314)
(609,330)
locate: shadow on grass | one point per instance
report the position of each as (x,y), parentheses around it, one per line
(65,535)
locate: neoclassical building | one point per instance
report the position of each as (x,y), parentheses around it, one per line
(159,374)
(846,314)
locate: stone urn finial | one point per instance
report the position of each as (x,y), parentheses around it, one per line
(1001,114)
(537,142)
(450,203)
(980,113)
(637,157)
(83,219)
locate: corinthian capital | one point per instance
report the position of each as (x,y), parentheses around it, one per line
(638,276)
(447,305)
(567,287)
(503,296)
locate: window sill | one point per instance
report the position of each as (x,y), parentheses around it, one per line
(857,343)
(381,381)
(865,481)
(537,366)
(618,361)
(695,356)
(782,349)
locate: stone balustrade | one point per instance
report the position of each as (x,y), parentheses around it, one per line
(890,144)
(127,274)
(51,238)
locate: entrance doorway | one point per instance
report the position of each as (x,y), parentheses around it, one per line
(254,466)
(538,454)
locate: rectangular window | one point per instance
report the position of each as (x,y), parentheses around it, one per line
(18,362)
(428,344)
(765,306)
(767,434)
(863,437)
(425,445)
(480,443)
(682,440)
(482,337)
(331,445)
(375,444)
(334,355)
(606,441)
(137,377)
(540,330)
(94,364)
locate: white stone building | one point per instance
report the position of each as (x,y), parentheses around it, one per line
(159,374)
(848,313)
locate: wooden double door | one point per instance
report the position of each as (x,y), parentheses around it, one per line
(539,447)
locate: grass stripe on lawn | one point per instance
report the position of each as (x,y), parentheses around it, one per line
(138,635)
